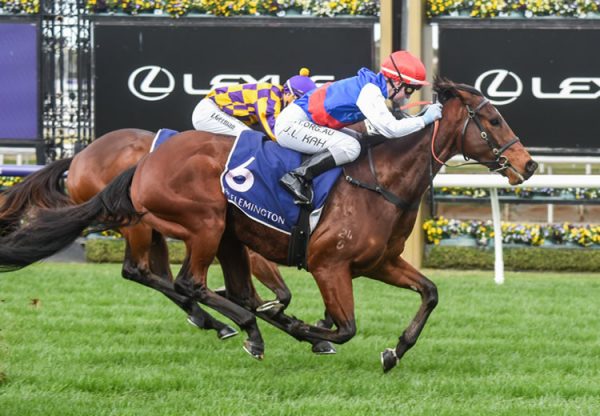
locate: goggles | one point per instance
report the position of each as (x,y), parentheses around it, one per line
(409,89)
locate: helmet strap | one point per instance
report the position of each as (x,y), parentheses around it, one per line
(395,88)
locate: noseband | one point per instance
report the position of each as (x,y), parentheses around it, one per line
(501,161)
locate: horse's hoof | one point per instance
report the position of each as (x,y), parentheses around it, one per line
(256,351)
(323,348)
(388,359)
(195,322)
(271,309)
(226,332)
(268,306)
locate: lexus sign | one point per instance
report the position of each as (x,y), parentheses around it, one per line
(547,89)
(500,90)
(504,87)
(153,83)
(142,82)
(151,75)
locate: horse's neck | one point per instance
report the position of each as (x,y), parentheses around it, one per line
(404,165)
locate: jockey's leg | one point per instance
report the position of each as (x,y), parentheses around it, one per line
(207,116)
(329,148)
(297,182)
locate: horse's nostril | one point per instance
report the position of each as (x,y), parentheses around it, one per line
(531,166)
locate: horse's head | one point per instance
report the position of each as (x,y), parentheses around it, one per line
(482,132)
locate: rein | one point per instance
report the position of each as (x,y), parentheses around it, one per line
(472,114)
(387,195)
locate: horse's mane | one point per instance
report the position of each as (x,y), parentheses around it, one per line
(447,89)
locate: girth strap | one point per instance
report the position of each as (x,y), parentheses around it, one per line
(387,195)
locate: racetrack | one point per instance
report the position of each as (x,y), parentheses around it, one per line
(79,340)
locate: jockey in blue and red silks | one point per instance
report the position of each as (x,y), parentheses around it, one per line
(315,124)
(235,108)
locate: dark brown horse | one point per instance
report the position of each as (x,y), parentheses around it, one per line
(146,255)
(361,232)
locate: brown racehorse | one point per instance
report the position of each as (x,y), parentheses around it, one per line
(146,256)
(362,231)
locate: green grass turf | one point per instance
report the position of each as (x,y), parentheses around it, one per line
(95,344)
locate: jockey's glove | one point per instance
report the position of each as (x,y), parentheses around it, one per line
(433,113)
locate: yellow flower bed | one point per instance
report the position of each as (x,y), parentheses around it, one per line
(177,8)
(20,6)
(440,228)
(525,8)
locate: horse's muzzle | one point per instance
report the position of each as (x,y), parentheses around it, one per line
(530,168)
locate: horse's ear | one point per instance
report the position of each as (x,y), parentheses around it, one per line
(445,95)
(445,89)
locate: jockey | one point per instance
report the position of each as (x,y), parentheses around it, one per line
(235,108)
(312,123)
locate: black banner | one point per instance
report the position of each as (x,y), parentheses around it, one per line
(151,75)
(544,80)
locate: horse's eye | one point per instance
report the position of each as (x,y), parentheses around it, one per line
(495,121)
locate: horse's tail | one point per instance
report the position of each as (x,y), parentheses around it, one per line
(42,189)
(52,230)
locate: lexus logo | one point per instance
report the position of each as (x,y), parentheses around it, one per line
(503,87)
(151,83)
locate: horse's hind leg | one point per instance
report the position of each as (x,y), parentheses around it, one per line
(268,274)
(147,262)
(400,273)
(234,260)
(159,257)
(192,280)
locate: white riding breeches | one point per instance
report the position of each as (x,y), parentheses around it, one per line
(207,116)
(294,130)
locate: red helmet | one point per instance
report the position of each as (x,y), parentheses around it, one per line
(405,67)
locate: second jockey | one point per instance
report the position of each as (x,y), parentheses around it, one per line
(235,108)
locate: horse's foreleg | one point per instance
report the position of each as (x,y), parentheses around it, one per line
(336,290)
(326,322)
(335,286)
(400,273)
(154,272)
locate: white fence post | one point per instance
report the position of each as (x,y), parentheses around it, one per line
(497,221)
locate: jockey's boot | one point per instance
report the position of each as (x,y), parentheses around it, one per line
(297,182)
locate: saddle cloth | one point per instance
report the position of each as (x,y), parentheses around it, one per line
(161,136)
(250,181)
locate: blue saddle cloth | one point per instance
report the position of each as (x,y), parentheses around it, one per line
(161,136)
(251,181)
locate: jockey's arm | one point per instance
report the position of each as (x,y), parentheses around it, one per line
(371,103)
(265,112)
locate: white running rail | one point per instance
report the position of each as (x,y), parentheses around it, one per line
(493,182)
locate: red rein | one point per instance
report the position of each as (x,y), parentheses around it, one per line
(435,127)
